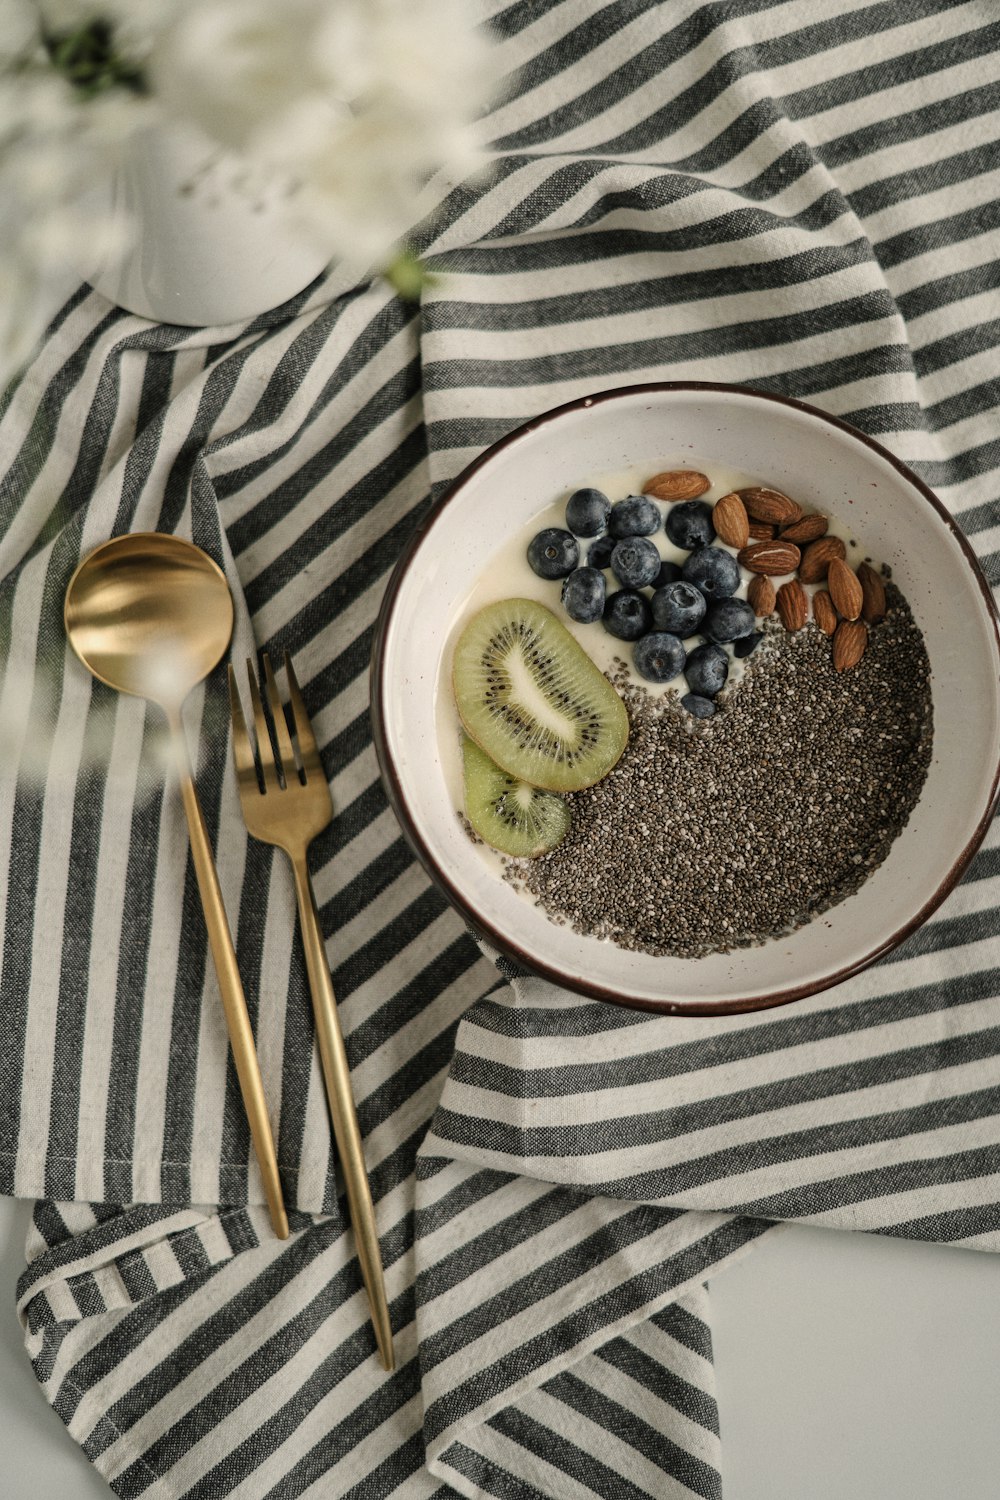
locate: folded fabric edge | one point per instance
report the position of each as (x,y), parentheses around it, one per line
(123,1259)
(143,1388)
(172,1185)
(568,1275)
(101,1273)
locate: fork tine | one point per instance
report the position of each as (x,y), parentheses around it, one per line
(308,749)
(265,749)
(286,755)
(246,766)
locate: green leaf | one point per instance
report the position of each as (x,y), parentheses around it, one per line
(87,58)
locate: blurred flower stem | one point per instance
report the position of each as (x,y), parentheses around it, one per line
(408,276)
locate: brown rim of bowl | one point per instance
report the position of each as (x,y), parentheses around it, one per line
(474,919)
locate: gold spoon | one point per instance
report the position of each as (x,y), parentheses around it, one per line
(151,615)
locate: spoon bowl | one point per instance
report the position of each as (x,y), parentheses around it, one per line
(150,614)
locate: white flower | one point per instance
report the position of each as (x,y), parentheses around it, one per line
(354,103)
(20,31)
(230,66)
(53,144)
(346,108)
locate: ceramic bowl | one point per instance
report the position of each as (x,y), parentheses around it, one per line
(827,466)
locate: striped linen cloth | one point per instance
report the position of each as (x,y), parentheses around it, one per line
(798,196)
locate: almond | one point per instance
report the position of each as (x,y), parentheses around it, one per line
(730,520)
(873,605)
(849,642)
(762,533)
(824,613)
(817,558)
(677,484)
(806,530)
(845,589)
(769,506)
(793,604)
(774,557)
(761,595)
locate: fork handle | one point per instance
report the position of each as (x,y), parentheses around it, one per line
(346,1131)
(234,1002)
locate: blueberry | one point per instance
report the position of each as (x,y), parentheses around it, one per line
(587,512)
(553,553)
(583,595)
(701,708)
(669,573)
(627,615)
(748,644)
(715,572)
(635,516)
(600,552)
(658,656)
(728,620)
(635,562)
(706,670)
(678,607)
(689,525)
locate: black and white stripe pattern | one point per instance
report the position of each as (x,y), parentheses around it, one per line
(795,196)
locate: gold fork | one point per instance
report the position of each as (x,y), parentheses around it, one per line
(288,805)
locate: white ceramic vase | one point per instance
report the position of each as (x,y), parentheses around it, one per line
(204,248)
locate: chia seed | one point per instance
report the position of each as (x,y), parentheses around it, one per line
(711,835)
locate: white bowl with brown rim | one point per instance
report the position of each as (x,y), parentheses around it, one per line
(827,466)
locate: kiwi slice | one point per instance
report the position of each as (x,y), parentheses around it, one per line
(531,697)
(509,814)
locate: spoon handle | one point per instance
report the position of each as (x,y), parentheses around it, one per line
(230,985)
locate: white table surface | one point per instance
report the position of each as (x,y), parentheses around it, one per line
(849,1367)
